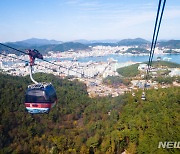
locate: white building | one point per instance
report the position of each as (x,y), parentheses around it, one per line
(175,72)
(1,65)
(142,67)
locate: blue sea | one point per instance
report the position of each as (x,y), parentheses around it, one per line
(120,58)
(125,58)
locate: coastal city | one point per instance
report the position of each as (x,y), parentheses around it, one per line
(92,73)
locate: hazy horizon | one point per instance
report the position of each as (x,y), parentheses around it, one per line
(101,40)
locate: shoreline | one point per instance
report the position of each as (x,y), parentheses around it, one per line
(108,54)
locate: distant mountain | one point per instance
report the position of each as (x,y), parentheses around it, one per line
(102,44)
(16,46)
(172,44)
(44,45)
(96,41)
(63,47)
(45,48)
(136,41)
(82,41)
(37,42)
(124,42)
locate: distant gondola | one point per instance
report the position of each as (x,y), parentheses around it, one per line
(143,97)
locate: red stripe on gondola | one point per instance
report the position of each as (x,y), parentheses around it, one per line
(38,105)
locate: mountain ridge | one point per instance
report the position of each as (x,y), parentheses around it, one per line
(53,45)
(37,41)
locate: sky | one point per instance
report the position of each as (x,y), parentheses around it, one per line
(67,20)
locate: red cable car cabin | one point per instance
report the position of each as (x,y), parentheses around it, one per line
(40,98)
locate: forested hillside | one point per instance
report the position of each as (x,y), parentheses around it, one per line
(129,71)
(79,124)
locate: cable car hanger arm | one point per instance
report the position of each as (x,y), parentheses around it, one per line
(33,54)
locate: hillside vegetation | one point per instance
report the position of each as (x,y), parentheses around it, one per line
(116,81)
(79,124)
(129,71)
(165,63)
(132,70)
(137,50)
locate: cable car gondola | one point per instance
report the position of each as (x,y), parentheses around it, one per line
(143,97)
(39,97)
